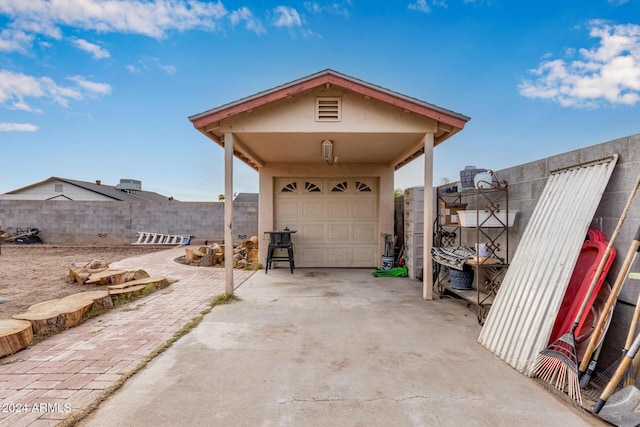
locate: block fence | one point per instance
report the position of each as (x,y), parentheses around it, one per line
(117,223)
(526,183)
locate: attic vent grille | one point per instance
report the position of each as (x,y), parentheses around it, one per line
(328,109)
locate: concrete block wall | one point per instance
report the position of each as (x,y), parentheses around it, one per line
(117,223)
(526,183)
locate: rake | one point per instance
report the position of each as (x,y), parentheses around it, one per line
(558,363)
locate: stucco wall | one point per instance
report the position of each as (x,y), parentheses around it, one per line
(526,183)
(116,223)
(384,174)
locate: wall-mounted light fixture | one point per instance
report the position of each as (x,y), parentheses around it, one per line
(327,152)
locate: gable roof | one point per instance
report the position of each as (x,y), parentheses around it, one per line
(208,122)
(321,78)
(109,191)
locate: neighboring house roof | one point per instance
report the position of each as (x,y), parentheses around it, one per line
(209,122)
(109,191)
(246,197)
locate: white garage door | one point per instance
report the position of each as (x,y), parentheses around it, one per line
(336,220)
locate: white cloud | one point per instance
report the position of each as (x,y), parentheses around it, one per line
(98,52)
(15,41)
(335,8)
(286,17)
(169,69)
(420,5)
(147,63)
(423,6)
(608,73)
(17,127)
(16,87)
(150,18)
(251,22)
(93,87)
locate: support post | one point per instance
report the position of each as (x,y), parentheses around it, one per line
(228,213)
(427,269)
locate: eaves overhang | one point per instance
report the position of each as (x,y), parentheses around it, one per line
(209,122)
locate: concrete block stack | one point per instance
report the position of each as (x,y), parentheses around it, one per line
(414,230)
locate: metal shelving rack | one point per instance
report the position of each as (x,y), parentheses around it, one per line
(490,228)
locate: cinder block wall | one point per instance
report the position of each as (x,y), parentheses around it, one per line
(117,223)
(526,183)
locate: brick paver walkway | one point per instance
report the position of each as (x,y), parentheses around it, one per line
(47,382)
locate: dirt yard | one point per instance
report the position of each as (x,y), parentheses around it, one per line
(30,274)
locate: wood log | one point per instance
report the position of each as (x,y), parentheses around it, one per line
(95,264)
(192,254)
(208,258)
(107,277)
(82,274)
(55,315)
(72,275)
(130,290)
(133,275)
(158,281)
(14,335)
(252,256)
(99,298)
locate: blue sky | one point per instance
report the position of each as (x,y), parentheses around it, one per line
(93,89)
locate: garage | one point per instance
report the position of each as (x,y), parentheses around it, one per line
(336,220)
(326,148)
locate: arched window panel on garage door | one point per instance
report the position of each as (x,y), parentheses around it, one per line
(313,186)
(339,186)
(363,187)
(288,186)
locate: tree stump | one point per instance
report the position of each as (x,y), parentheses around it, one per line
(252,256)
(107,277)
(207,259)
(129,290)
(157,281)
(55,315)
(100,298)
(82,274)
(14,335)
(133,275)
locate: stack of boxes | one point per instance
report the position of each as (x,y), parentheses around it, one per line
(414,230)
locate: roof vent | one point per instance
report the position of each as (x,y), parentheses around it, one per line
(129,185)
(328,109)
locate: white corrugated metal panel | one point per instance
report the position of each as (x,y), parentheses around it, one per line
(521,318)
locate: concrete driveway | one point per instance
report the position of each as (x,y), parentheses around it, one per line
(328,347)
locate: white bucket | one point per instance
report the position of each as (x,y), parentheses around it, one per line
(482,250)
(482,180)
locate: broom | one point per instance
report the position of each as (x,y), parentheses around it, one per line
(558,363)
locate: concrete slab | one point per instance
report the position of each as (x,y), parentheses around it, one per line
(333,347)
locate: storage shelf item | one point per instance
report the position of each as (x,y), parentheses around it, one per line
(473,218)
(487,224)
